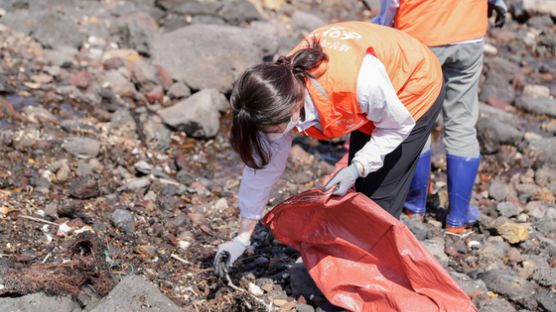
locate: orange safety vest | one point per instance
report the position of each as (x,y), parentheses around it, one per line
(440,22)
(412,68)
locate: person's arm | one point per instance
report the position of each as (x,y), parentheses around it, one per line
(388,11)
(379,101)
(256,185)
(254,192)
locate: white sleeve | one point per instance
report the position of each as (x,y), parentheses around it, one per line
(388,11)
(256,185)
(379,101)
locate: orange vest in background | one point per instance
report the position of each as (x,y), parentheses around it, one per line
(412,68)
(440,22)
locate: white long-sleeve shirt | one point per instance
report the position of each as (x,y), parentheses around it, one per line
(377,99)
(389,9)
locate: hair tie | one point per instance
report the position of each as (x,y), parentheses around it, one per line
(285,61)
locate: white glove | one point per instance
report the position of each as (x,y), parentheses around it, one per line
(226,255)
(344,179)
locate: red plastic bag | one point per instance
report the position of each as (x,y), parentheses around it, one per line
(361,257)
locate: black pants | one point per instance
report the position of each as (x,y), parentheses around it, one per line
(389,186)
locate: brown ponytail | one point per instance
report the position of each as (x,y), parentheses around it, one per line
(265,96)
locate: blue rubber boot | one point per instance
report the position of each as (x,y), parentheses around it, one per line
(461,177)
(415,203)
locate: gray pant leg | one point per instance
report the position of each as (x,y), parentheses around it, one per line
(461,65)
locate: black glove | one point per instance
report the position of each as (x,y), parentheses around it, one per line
(344,179)
(501,10)
(226,255)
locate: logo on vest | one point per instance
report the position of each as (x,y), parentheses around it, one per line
(332,38)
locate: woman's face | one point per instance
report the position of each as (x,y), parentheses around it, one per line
(296,112)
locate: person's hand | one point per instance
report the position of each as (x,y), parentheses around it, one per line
(501,10)
(344,179)
(226,255)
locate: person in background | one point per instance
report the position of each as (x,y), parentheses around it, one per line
(376,83)
(454,30)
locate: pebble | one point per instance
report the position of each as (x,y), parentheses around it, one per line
(513,232)
(255,290)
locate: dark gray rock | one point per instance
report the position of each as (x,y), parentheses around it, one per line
(82,146)
(123,124)
(157,136)
(179,91)
(190,7)
(487,111)
(304,22)
(526,190)
(498,190)
(542,273)
(197,115)
(110,101)
(191,54)
(40,182)
(123,220)
(492,133)
(493,251)
(547,244)
(496,86)
(38,5)
(144,74)
(173,21)
(496,305)
(436,246)
(143,167)
(185,177)
(544,150)
(495,127)
(135,37)
(77,126)
(467,284)
(53,29)
(136,31)
(84,187)
(39,302)
(511,285)
(238,12)
(208,20)
(540,22)
(546,299)
(547,226)
(167,187)
(5,265)
(88,297)
(39,114)
(535,209)
(20,20)
(134,293)
(118,83)
(545,176)
(136,184)
(300,307)
(417,227)
(548,40)
(508,209)
(536,105)
(504,67)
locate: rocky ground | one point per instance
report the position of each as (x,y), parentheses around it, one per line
(117,181)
